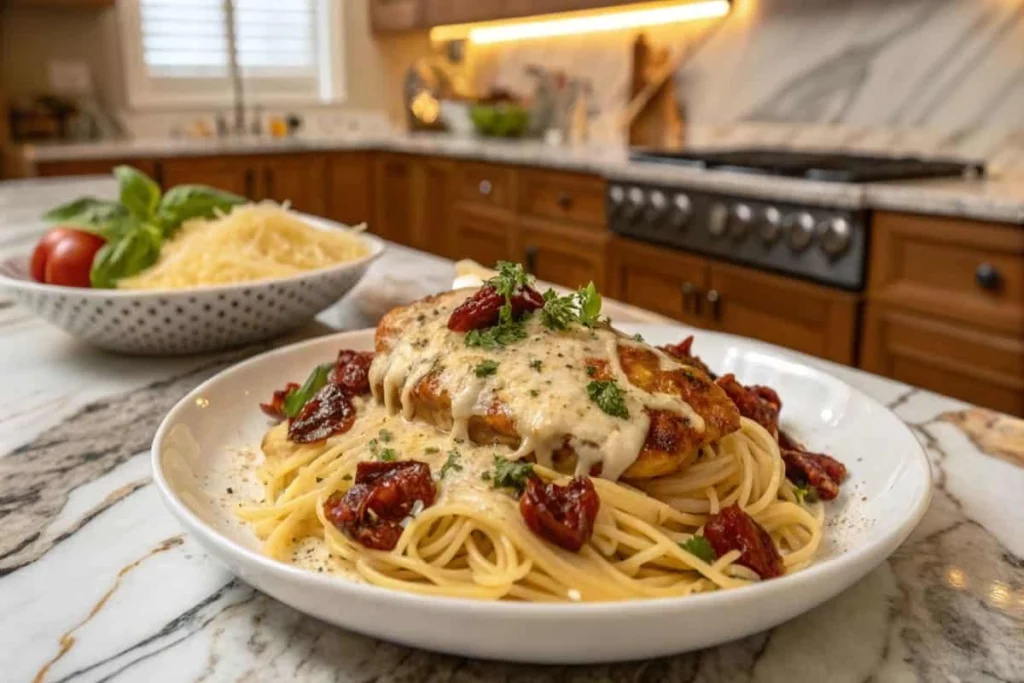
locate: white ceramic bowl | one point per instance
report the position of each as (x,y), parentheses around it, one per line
(178,321)
(884,498)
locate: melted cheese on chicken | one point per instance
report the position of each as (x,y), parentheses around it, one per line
(540,385)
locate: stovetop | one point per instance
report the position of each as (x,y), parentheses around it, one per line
(824,166)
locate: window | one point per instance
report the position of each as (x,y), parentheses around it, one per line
(179,52)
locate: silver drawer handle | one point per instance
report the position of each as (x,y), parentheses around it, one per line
(485,187)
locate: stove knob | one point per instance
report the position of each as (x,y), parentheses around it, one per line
(835,234)
(718,220)
(739,221)
(799,229)
(769,226)
(634,204)
(681,212)
(616,194)
(656,205)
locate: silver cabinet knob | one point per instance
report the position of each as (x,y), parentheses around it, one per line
(799,230)
(834,234)
(485,187)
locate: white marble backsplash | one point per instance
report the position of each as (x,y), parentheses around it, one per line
(896,76)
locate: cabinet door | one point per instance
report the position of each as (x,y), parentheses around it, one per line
(394,188)
(968,362)
(349,189)
(299,180)
(232,174)
(432,199)
(462,11)
(396,15)
(482,235)
(798,315)
(570,257)
(659,279)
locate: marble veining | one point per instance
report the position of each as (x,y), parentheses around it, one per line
(98,583)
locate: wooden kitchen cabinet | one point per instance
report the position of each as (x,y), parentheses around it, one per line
(946,307)
(349,189)
(706,293)
(232,174)
(394,193)
(296,179)
(413,201)
(438,12)
(93,167)
(397,15)
(818,320)
(656,278)
(560,254)
(483,235)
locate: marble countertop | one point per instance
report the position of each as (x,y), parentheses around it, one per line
(99,583)
(999,197)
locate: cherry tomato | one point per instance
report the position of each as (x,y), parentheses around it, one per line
(64,257)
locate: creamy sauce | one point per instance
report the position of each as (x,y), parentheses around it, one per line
(540,384)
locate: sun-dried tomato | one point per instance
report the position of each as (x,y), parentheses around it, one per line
(329,412)
(352,371)
(563,515)
(275,408)
(382,496)
(821,472)
(760,404)
(682,353)
(482,309)
(734,529)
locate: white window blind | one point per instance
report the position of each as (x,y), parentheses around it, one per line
(284,48)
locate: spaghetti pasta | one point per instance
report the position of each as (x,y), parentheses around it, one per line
(254,242)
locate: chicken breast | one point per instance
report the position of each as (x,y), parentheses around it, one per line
(586,400)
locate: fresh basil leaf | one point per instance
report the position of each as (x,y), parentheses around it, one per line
(589,300)
(88,212)
(511,474)
(127,255)
(294,401)
(139,193)
(186,202)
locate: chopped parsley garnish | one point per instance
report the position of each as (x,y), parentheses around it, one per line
(536,364)
(805,493)
(591,371)
(582,306)
(383,454)
(485,368)
(509,279)
(431,449)
(638,337)
(608,397)
(534,393)
(387,454)
(347,477)
(452,463)
(698,546)
(510,474)
(558,311)
(384,435)
(486,476)
(502,334)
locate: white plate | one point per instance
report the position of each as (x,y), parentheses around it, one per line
(882,501)
(193,320)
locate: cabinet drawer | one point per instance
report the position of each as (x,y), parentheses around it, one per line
(963,270)
(981,367)
(563,197)
(485,185)
(660,280)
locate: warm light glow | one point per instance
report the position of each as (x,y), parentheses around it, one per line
(579,23)
(956,577)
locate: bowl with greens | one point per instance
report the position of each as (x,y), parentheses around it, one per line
(189,270)
(502,120)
